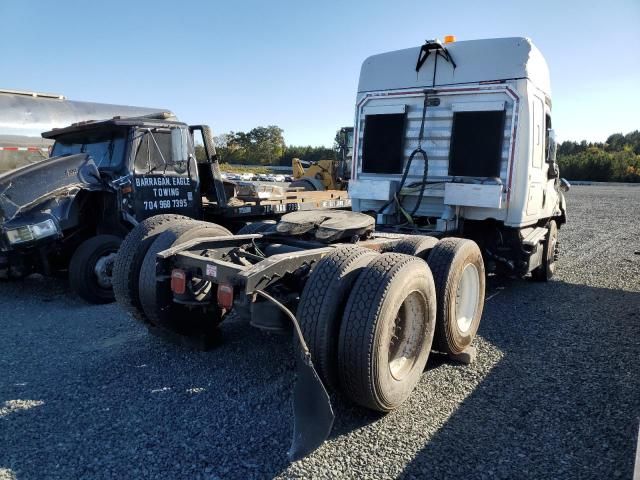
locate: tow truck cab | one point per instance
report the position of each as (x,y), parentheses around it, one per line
(150,163)
(103,178)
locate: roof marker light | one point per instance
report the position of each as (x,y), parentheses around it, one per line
(449,39)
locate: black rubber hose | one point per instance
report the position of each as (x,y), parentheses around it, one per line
(424,178)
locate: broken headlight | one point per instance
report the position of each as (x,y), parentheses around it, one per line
(28,233)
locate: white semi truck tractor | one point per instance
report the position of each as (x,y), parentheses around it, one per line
(453,174)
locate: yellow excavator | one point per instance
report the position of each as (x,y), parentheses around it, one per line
(326,174)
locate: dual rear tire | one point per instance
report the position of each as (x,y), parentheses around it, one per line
(322,302)
(155,294)
(386,331)
(370,320)
(149,299)
(128,262)
(458,272)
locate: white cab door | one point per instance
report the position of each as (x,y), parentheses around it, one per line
(537,175)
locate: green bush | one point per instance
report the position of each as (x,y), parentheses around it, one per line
(616,160)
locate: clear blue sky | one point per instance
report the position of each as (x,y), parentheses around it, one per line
(295,64)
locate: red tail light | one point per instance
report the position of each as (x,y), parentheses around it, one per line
(178,281)
(225,296)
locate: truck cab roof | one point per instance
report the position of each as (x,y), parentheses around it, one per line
(156,120)
(486,60)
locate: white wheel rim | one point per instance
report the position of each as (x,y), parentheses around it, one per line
(467,296)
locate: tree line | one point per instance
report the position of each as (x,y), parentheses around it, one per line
(615,160)
(263,146)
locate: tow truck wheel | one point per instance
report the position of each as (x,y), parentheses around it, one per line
(416,245)
(156,297)
(386,331)
(322,303)
(91,266)
(126,269)
(549,253)
(458,272)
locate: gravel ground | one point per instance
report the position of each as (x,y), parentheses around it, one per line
(555,391)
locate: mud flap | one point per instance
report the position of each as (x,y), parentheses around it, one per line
(312,412)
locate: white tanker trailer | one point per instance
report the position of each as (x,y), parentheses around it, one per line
(25,115)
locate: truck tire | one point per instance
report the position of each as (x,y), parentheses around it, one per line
(549,255)
(322,303)
(91,267)
(147,275)
(156,297)
(416,245)
(257,227)
(458,272)
(386,331)
(126,268)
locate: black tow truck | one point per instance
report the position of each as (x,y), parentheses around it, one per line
(71,211)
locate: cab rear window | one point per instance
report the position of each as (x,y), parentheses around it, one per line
(476,143)
(383,143)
